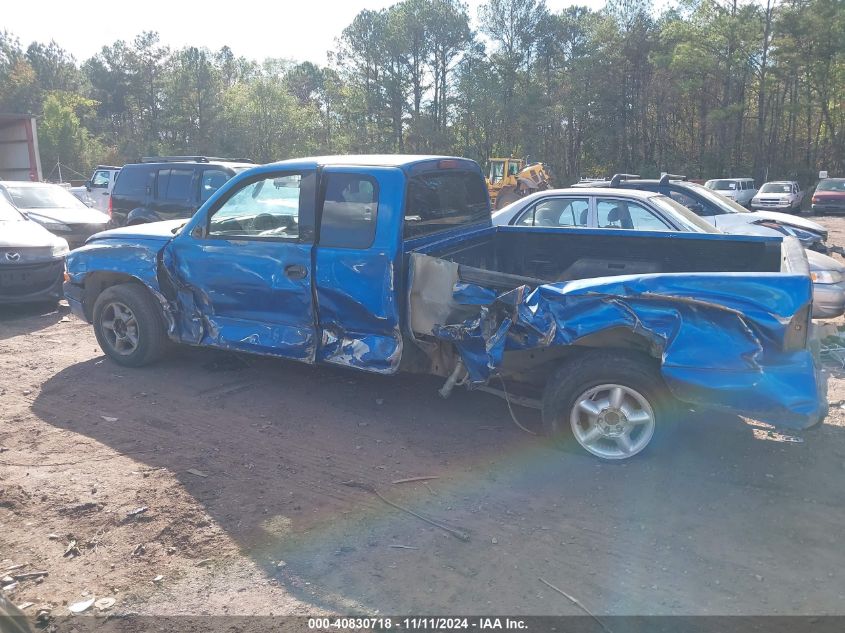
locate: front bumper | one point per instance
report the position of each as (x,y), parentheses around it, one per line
(31,283)
(828,300)
(73,296)
(768,206)
(828,207)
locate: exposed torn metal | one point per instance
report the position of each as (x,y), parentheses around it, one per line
(747,366)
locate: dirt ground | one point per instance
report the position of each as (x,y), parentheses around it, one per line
(213,484)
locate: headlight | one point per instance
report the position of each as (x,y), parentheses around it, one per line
(50,224)
(804,236)
(826,276)
(60,248)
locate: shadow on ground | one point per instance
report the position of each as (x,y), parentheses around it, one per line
(29,318)
(726,518)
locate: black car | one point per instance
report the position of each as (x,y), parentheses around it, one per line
(169,187)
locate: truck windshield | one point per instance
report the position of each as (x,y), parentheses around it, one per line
(441,200)
(776,187)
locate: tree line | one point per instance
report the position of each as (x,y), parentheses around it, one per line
(706,88)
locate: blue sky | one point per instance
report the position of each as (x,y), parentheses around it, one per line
(258,29)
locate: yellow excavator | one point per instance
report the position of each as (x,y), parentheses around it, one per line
(510,179)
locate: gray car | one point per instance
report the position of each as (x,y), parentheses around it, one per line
(31,259)
(56,209)
(631,209)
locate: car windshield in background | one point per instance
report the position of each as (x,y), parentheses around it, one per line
(776,187)
(8,213)
(832,185)
(722,185)
(44,197)
(725,204)
(442,200)
(683,216)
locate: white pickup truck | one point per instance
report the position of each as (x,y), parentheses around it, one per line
(96,191)
(779,195)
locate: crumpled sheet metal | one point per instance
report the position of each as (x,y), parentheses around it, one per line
(719,338)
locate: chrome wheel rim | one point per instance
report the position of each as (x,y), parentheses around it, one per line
(120,328)
(612,421)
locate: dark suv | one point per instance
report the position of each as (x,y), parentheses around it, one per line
(169,187)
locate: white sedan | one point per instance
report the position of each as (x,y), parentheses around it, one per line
(631,209)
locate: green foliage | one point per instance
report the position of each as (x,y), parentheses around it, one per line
(708,88)
(61,135)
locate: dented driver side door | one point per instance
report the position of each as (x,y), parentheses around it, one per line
(243,274)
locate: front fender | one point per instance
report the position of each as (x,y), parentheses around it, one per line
(103,263)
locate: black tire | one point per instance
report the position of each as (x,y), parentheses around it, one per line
(147,324)
(594,370)
(504,198)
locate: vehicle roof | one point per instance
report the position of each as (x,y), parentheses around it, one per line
(602,184)
(780,182)
(212,163)
(836,178)
(598,191)
(373,160)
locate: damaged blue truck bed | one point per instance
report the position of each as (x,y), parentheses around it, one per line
(390,263)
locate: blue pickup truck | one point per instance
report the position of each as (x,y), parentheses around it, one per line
(391,263)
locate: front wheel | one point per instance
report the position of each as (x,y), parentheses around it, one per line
(128,325)
(610,404)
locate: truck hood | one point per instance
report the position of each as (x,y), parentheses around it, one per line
(829,195)
(159,231)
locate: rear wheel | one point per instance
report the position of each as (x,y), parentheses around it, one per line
(128,325)
(610,404)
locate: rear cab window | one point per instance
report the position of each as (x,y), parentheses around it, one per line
(439,200)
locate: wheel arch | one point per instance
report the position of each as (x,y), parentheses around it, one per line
(96,282)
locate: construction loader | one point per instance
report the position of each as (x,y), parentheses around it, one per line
(510,179)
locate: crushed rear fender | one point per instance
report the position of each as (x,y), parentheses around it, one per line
(719,338)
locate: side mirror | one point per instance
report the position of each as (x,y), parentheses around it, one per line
(198,232)
(88,185)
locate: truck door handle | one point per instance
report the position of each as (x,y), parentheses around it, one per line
(295,271)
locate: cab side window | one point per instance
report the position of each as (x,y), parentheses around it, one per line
(100,179)
(262,209)
(350,207)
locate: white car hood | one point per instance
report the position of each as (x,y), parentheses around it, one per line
(728,221)
(793,220)
(25,234)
